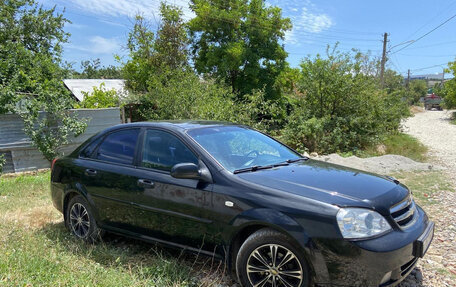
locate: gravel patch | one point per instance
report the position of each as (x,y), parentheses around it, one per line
(438,267)
(384,164)
(433,129)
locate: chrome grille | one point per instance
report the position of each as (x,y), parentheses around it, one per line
(404,212)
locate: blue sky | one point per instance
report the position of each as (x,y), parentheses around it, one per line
(99,28)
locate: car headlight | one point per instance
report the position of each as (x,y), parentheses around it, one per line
(357,223)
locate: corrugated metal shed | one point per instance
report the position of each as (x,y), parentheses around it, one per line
(19,151)
(77,86)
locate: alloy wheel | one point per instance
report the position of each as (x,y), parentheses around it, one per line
(273,265)
(79,220)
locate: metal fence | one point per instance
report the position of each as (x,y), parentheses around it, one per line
(22,156)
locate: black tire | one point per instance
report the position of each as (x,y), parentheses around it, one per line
(274,272)
(80,221)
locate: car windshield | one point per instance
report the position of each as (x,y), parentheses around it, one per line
(238,148)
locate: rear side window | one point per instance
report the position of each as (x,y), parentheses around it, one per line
(163,150)
(119,147)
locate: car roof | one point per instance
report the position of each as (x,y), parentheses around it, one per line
(177,125)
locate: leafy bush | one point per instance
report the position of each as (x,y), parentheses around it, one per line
(340,107)
(49,124)
(183,95)
(100,98)
(448,92)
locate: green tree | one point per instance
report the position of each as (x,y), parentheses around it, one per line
(340,107)
(49,123)
(238,42)
(100,98)
(417,89)
(92,69)
(31,72)
(449,88)
(31,40)
(151,55)
(184,96)
(171,44)
(140,66)
(394,82)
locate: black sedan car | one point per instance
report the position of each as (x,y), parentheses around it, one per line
(277,218)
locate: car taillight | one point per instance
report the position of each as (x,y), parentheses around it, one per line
(53,162)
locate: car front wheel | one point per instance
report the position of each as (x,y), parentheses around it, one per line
(80,221)
(269,259)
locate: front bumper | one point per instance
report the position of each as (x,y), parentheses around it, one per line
(384,261)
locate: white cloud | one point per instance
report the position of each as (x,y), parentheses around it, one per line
(102,45)
(98,46)
(76,26)
(306,17)
(312,22)
(148,8)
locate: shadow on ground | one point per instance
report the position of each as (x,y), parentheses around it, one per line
(139,255)
(415,279)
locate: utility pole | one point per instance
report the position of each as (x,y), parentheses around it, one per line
(382,68)
(408,78)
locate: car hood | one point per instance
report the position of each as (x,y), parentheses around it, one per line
(330,183)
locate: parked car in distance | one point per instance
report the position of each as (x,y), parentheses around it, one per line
(432,101)
(224,190)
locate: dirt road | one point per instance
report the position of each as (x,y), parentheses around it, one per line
(438,268)
(433,128)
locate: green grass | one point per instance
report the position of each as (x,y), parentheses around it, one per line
(453,118)
(425,184)
(37,250)
(400,144)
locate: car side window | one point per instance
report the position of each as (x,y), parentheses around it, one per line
(119,147)
(88,151)
(162,150)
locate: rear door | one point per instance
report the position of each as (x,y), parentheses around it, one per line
(109,177)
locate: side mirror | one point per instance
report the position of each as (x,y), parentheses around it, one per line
(186,170)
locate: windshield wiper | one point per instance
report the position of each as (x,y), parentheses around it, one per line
(259,167)
(296,160)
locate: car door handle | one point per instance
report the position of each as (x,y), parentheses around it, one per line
(145,183)
(90,172)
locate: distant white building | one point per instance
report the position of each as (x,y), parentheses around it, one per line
(431,79)
(78,86)
(438,77)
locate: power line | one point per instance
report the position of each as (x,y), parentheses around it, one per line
(425,68)
(435,17)
(433,45)
(440,25)
(428,56)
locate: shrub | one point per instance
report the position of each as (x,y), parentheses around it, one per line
(100,98)
(340,107)
(49,124)
(183,95)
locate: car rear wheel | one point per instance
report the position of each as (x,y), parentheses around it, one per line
(80,221)
(269,259)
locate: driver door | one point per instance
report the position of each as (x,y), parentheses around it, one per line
(171,209)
